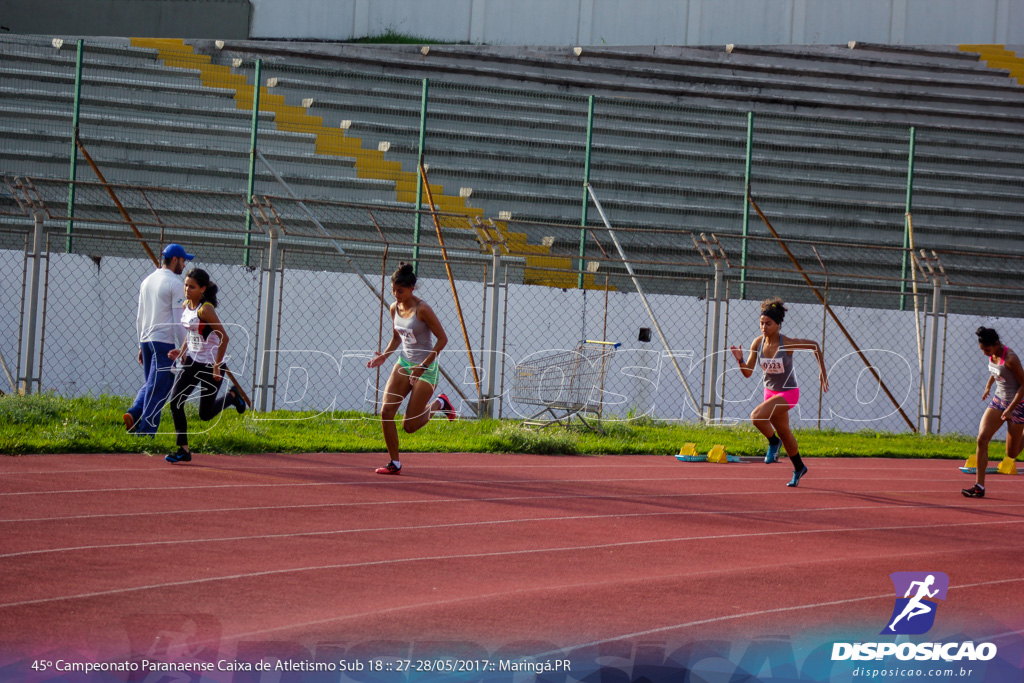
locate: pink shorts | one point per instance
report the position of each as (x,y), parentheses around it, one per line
(1017,417)
(792,396)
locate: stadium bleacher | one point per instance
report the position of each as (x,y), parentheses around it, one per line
(506,131)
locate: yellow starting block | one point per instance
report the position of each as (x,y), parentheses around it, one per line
(1007,466)
(717,454)
(688,453)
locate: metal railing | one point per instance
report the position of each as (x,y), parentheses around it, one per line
(309,307)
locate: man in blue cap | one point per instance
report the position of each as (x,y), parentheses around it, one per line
(159,326)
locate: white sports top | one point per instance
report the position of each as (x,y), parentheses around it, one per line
(203,342)
(417,339)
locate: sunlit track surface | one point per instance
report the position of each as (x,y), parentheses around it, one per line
(101,552)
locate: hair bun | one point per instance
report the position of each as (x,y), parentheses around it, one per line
(404,276)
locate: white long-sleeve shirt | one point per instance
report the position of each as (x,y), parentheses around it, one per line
(160,298)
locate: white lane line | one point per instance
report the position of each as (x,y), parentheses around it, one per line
(411,481)
(501,553)
(431,501)
(556,589)
(480,523)
(759,613)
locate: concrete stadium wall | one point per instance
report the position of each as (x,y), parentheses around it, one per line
(93,351)
(648,22)
(137,18)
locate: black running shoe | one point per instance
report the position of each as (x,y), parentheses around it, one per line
(973,492)
(238,401)
(180,455)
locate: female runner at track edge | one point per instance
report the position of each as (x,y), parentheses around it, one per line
(774,353)
(416,371)
(202,358)
(1006,406)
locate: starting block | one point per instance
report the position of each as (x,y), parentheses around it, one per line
(717,454)
(1007,466)
(688,453)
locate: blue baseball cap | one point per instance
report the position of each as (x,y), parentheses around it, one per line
(172,250)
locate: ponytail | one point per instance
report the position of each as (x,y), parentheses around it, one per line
(987,336)
(202,278)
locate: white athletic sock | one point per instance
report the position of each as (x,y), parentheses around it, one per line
(397,463)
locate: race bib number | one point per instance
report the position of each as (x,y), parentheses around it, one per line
(772,366)
(406,334)
(994,369)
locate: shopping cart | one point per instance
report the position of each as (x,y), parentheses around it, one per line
(566,384)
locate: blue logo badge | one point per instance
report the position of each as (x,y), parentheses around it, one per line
(916,595)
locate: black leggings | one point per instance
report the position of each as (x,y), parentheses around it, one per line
(192,374)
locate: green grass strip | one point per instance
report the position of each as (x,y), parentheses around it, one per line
(392,37)
(47,423)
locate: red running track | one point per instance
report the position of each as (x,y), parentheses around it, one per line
(112,554)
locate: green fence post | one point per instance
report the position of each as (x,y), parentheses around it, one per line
(746,205)
(73,174)
(251,186)
(419,180)
(586,196)
(906,220)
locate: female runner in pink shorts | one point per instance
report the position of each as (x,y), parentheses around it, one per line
(1007,407)
(774,353)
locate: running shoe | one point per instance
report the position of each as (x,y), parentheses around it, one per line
(795,481)
(180,455)
(973,492)
(129,422)
(389,469)
(773,453)
(446,407)
(238,401)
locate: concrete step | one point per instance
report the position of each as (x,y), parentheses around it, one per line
(219,174)
(673,86)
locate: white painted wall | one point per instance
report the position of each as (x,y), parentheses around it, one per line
(330,328)
(648,22)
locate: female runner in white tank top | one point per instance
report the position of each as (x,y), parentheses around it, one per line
(774,353)
(1007,406)
(416,372)
(202,361)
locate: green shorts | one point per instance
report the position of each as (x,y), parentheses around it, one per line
(429,375)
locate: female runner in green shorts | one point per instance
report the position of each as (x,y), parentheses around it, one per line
(416,372)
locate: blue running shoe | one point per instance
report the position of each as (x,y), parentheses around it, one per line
(795,481)
(181,455)
(773,453)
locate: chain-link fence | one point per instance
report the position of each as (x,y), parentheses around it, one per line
(13,270)
(661,305)
(857,225)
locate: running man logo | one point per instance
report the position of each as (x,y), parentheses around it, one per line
(914,612)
